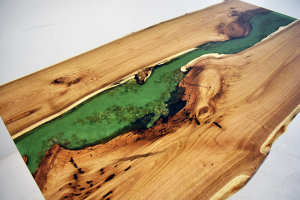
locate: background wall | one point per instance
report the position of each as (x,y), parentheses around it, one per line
(35,34)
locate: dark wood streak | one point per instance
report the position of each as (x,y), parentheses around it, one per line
(218,125)
(20,116)
(109,178)
(108,194)
(127,168)
(80,171)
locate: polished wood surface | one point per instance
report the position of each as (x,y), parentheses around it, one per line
(237,105)
(37,98)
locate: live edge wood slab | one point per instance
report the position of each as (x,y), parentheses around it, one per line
(237,105)
(39,97)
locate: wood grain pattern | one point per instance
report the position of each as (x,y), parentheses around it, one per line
(236,106)
(39,97)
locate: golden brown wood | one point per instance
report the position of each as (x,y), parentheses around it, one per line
(237,105)
(39,97)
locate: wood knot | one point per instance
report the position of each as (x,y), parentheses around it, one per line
(240,26)
(142,75)
(235,30)
(204,87)
(59,80)
(66,81)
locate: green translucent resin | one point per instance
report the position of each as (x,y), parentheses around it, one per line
(131,106)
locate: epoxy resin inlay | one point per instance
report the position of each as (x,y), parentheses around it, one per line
(132,106)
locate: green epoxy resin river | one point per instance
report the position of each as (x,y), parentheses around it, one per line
(131,106)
